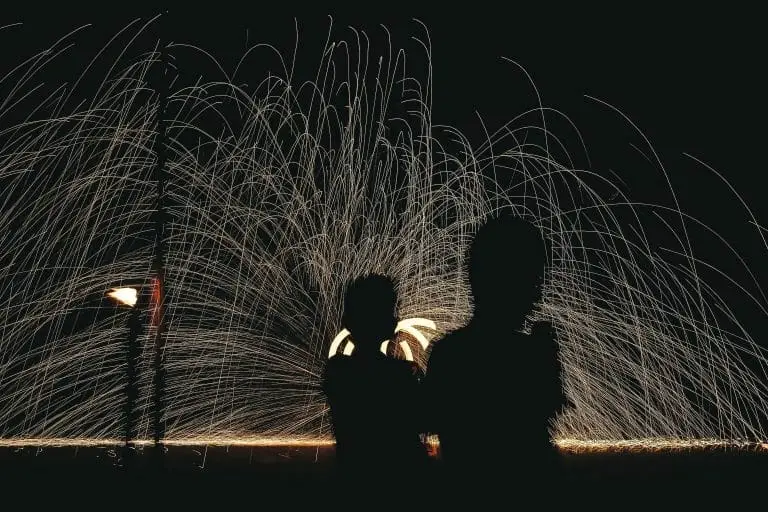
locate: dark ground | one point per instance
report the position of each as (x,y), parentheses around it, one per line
(297,477)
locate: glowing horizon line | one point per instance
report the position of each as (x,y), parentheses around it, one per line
(191,441)
(576,446)
(565,445)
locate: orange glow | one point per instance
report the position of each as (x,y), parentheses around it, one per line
(157,301)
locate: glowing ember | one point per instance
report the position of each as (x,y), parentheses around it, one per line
(127,296)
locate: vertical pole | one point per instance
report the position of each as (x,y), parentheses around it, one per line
(159,292)
(132,385)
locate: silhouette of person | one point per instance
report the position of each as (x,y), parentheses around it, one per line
(491,389)
(373,398)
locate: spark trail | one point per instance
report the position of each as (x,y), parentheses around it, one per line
(280,192)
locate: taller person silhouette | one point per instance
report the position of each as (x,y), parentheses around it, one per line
(491,388)
(373,398)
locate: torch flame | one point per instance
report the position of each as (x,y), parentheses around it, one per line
(127,296)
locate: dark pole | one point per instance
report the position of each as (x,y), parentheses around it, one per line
(159,292)
(131,385)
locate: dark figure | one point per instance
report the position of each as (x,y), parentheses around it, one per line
(492,389)
(374,398)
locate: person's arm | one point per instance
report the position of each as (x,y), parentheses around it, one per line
(545,335)
(328,382)
(430,395)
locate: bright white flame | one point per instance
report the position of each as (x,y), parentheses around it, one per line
(337,341)
(127,296)
(416,322)
(408,325)
(406,351)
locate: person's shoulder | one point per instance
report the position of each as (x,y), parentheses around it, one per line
(337,360)
(400,365)
(450,345)
(544,336)
(337,364)
(543,329)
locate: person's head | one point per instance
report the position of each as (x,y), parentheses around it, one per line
(506,264)
(370,311)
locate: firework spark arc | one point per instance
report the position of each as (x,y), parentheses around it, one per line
(277,194)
